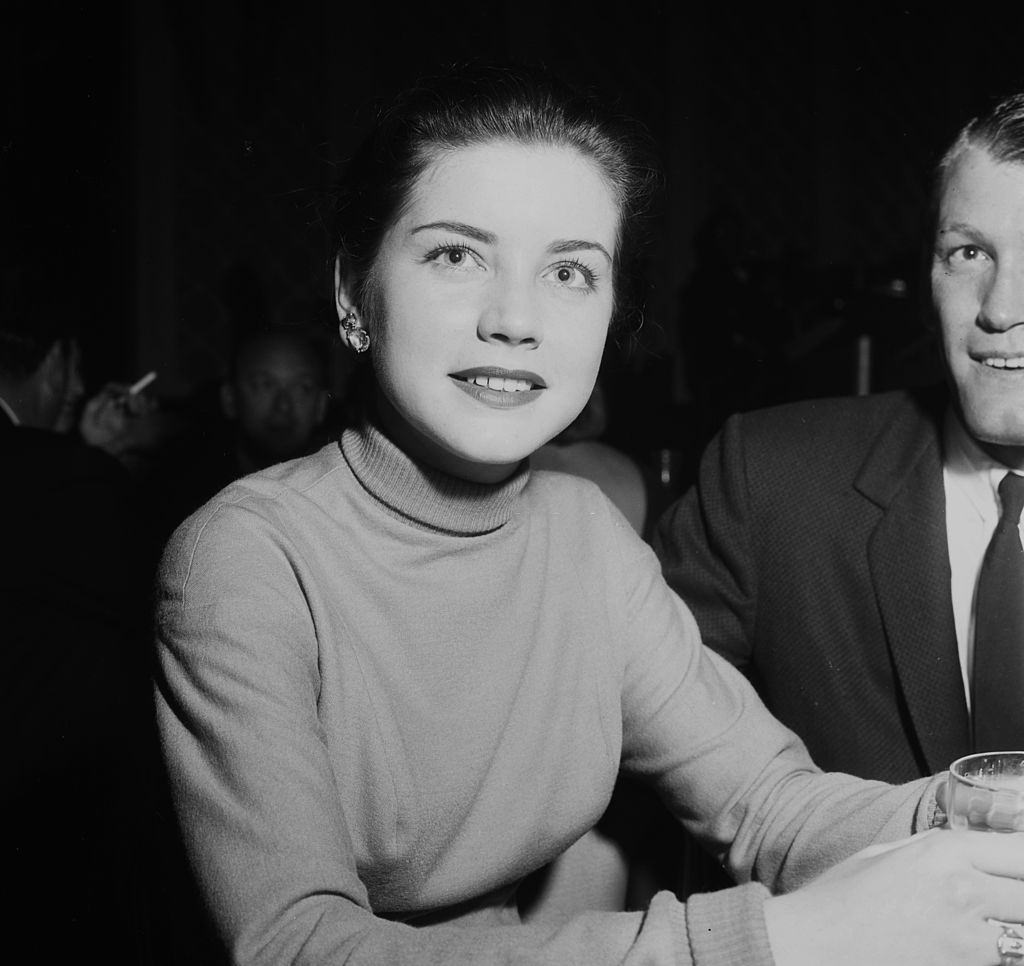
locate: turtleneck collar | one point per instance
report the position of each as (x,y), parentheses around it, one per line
(427,496)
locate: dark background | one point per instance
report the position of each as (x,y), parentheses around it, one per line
(169,162)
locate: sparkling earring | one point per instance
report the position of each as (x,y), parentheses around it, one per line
(353,333)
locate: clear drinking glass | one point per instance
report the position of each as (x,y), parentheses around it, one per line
(986,792)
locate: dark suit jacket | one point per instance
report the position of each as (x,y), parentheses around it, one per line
(73,602)
(813,552)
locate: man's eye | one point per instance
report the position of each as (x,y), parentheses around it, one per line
(967,253)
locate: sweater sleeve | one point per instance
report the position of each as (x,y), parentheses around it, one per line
(740,781)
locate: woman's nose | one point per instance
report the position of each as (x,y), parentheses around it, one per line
(511,316)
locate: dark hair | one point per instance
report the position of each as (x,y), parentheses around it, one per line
(304,338)
(477,105)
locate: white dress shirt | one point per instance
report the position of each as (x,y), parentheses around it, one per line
(971,479)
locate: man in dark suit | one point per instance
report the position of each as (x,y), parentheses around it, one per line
(74,596)
(833,548)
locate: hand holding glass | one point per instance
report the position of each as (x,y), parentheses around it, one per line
(986,793)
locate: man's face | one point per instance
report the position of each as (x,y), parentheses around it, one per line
(277,400)
(978,288)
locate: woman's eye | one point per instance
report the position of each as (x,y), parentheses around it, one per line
(572,275)
(452,257)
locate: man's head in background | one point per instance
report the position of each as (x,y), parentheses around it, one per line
(275,395)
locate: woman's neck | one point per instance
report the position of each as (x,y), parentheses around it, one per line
(417,448)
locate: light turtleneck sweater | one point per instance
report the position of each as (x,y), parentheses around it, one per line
(386,695)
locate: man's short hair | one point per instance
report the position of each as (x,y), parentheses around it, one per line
(1000,132)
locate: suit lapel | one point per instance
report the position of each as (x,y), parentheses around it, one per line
(908,557)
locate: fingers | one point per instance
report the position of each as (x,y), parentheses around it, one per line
(997,853)
(1004,900)
(999,810)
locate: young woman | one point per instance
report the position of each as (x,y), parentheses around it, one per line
(400,675)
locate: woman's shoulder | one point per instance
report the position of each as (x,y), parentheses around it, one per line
(556,484)
(611,471)
(284,492)
(291,481)
(578,512)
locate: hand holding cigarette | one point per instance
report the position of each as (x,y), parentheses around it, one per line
(114,419)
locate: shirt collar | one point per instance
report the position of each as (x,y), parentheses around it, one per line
(976,474)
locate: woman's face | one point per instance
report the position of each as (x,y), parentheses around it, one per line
(495,291)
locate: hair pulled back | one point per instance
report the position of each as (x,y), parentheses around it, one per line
(472,106)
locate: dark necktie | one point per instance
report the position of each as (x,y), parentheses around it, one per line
(997,684)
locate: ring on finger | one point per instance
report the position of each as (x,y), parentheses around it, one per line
(1010,943)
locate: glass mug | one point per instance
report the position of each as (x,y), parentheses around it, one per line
(986,792)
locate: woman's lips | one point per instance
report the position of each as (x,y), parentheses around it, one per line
(501,380)
(500,388)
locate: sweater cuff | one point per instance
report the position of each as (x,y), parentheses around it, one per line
(930,814)
(727,927)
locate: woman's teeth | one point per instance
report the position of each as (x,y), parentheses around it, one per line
(501,384)
(996,363)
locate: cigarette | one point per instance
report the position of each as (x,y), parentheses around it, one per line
(137,387)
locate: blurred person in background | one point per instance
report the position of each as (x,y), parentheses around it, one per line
(272,405)
(74,595)
(275,397)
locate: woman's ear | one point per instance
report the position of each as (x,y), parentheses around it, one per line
(351,328)
(343,303)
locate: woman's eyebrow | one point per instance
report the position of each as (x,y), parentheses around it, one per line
(459,228)
(578,245)
(489,238)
